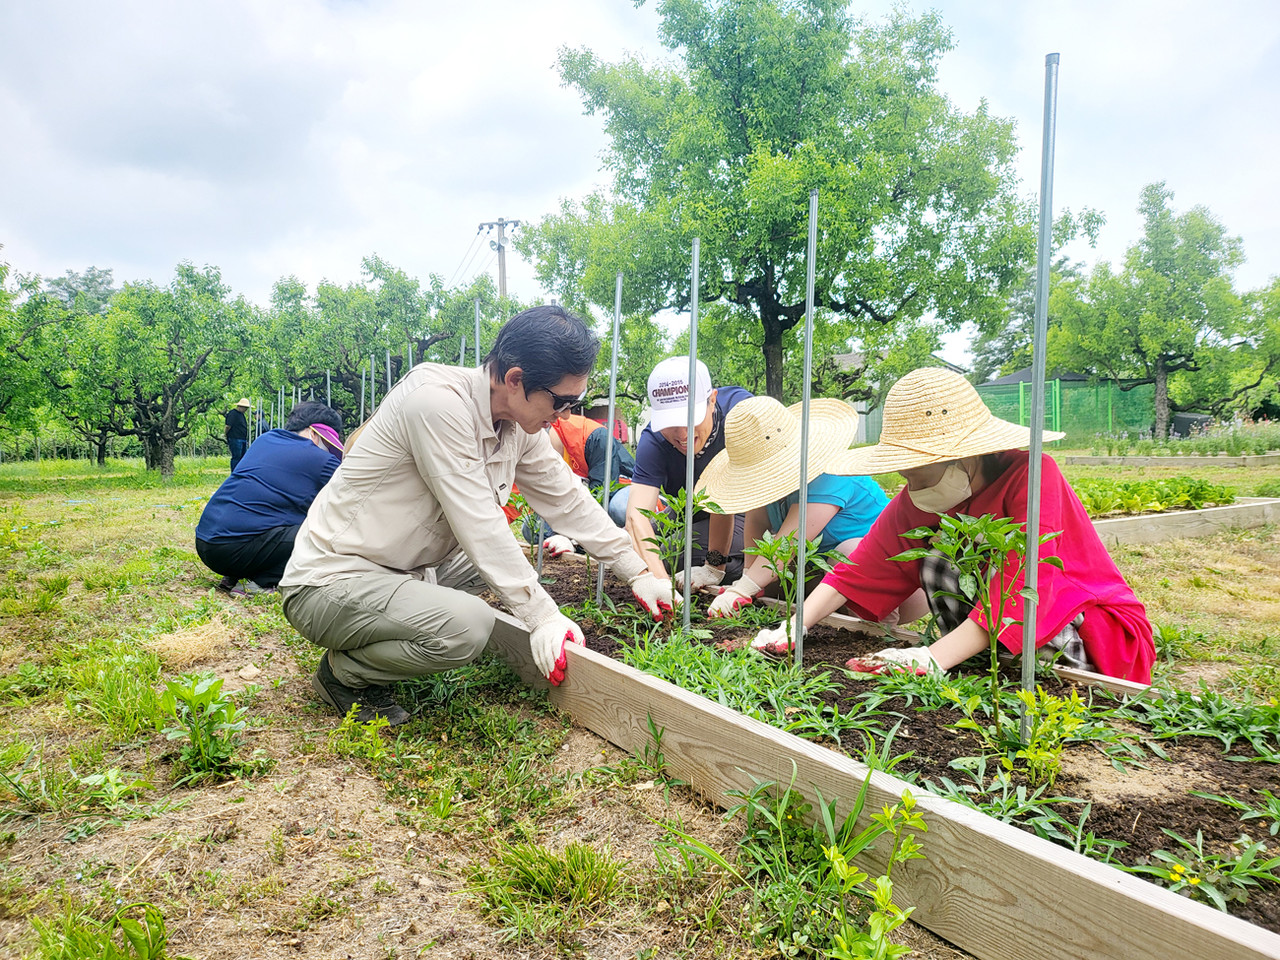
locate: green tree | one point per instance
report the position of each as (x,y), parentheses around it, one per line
(1171,308)
(76,371)
(1008,346)
(770,99)
(337,330)
(168,354)
(88,292)
(24,335)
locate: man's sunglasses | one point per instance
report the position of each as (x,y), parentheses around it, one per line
(560,402)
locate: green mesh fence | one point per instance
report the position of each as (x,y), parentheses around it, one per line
(1080,409)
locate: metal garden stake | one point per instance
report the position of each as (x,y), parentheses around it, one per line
(1043,250)
(688,440)
(607,493)
(802,530)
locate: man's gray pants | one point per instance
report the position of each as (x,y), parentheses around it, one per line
(384,627)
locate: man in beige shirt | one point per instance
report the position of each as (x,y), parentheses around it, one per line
(411,526)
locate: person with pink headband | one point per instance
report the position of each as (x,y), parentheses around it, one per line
(248,527)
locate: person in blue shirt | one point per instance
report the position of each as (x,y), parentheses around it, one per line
(661,469)
(247,528)
(761,463)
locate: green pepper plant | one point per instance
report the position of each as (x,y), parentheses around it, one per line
(989,554)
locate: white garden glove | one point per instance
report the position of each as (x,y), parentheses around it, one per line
(773,640)
(655,595)
(916,660)
(734,597)
(704,576)
(557,545)
(547,642)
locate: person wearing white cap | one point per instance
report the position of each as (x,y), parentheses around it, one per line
(758,473)
(661,464)
(959,459)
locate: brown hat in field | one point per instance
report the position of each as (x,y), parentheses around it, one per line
(760,462)
(243,402)
(931,416)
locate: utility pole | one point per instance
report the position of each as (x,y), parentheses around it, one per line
(501,246)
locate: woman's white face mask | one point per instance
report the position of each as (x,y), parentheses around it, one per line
(952,489)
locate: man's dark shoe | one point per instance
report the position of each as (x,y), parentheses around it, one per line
(374,701)
(227,584)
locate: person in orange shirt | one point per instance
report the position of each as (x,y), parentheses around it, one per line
(581,441)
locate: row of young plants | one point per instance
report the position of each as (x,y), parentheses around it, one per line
(1011,777)
(1103,497)
(1233,439)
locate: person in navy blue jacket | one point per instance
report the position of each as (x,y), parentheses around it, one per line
(247,528)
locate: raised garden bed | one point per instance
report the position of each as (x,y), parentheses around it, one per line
(1245,513)
(991,888)
(1221,460)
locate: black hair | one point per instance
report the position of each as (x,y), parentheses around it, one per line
(548,343)
(313,411)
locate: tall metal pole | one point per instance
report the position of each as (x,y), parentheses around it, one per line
(688,439)
(1043,252)
(410,354)
(802,530)
(362,394)
(328,389)
(478,330)
(388,390)
(462,352)
(607,493)
(373,386)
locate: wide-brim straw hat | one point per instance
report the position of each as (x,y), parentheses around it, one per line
(760,462)
(932,416)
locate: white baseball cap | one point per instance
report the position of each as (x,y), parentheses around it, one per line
(669,393)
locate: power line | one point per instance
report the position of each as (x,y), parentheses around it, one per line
(458,268)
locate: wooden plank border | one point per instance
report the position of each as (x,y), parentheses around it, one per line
(1245,513)
(1251,460)
(991,889)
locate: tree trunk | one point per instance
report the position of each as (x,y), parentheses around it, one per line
(166,457)
(772,356)
(101,443)
(1162,399)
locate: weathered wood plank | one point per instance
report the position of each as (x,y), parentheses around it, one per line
(991,889)
(1155,527)
(1251,460)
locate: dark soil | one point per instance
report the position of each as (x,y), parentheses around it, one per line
(1131,806)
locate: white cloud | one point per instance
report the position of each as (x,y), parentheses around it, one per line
(297,136)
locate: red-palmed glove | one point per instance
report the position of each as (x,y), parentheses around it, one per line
(557,545)
(917,660)
(773,641)
(547,642)
(734,597)
(655,595)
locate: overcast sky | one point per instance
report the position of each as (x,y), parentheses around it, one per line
(296,136)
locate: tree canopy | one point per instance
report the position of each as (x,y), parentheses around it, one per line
(1170,309)
(767,100)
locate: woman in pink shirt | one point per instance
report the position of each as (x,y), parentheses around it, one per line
(959,459)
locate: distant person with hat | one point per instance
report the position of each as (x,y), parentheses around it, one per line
(758,474)
(959,459)
(247,528)
(236,431)
(661,469)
